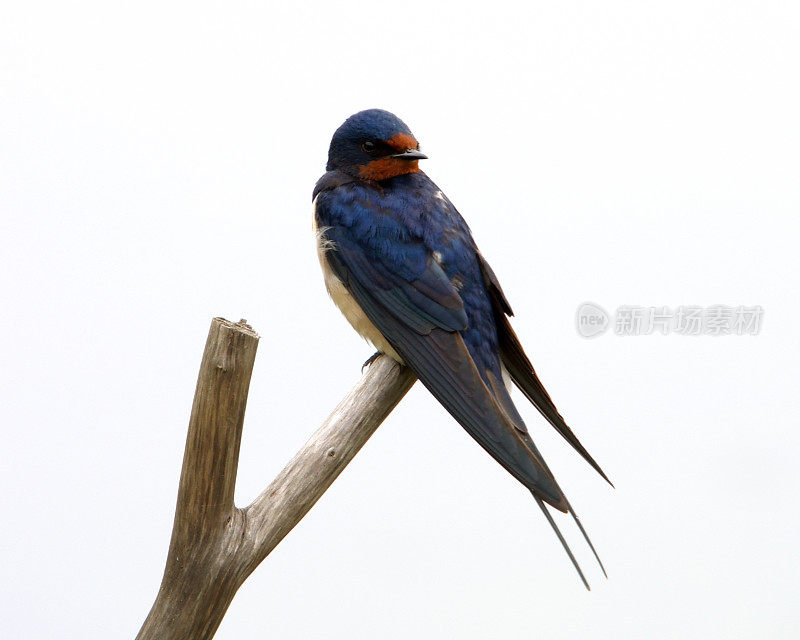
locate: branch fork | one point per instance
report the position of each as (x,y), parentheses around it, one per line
(215,546)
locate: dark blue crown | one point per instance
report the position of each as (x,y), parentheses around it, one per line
(371,123)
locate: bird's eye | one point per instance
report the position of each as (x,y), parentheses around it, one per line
(368,146)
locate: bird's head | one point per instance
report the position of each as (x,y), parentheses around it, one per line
(374,145)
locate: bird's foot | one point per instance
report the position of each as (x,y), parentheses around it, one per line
(370,360)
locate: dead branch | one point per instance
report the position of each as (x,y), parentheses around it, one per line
(215,546)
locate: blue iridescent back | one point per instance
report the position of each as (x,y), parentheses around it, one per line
(399,224)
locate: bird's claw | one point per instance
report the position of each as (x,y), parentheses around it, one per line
(370,360)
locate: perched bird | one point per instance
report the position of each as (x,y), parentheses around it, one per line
(400,263)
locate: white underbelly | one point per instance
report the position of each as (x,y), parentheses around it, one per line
(347,304)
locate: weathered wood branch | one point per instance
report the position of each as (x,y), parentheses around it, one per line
(214,545)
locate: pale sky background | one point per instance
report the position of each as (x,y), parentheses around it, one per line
(156,167)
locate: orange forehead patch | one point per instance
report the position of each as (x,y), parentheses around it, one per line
(403,141)
(385,168)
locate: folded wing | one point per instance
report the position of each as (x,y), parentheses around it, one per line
(420,313)
(521,370)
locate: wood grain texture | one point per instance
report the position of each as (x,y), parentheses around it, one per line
(214,545)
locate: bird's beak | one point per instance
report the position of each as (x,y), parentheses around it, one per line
(410,154)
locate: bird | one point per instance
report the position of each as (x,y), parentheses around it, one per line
(402,266)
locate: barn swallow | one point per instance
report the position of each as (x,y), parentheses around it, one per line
(401,264)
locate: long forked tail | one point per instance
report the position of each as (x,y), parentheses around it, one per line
(564,542)
(522,373)
(561,538)
(588,541)
(502,397)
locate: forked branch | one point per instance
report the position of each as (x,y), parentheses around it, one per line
(216,546)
